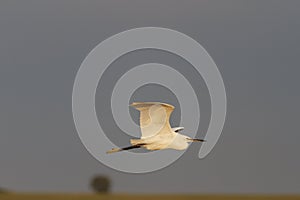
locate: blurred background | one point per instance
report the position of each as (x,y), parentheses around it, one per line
(255,45)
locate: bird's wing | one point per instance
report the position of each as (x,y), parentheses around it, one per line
(154,117)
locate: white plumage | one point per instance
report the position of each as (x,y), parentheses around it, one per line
(156,131)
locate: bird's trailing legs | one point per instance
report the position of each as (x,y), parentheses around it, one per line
(114,150)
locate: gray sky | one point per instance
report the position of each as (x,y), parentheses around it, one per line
(255,44)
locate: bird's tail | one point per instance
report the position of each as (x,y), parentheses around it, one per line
(135,141)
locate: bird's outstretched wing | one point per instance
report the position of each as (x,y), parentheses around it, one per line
(154,117)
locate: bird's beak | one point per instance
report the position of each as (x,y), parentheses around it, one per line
(197,140)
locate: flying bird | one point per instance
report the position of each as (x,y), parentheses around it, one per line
(156,130)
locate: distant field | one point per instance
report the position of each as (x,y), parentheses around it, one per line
(137,197)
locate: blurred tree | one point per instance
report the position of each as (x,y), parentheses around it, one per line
(3,190)
(100,184)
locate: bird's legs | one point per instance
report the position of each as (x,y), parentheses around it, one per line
(125,148)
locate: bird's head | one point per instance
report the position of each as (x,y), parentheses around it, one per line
(188,139)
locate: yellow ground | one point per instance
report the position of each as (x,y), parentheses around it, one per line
(138,197)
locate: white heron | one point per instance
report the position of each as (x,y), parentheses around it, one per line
(156,131)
